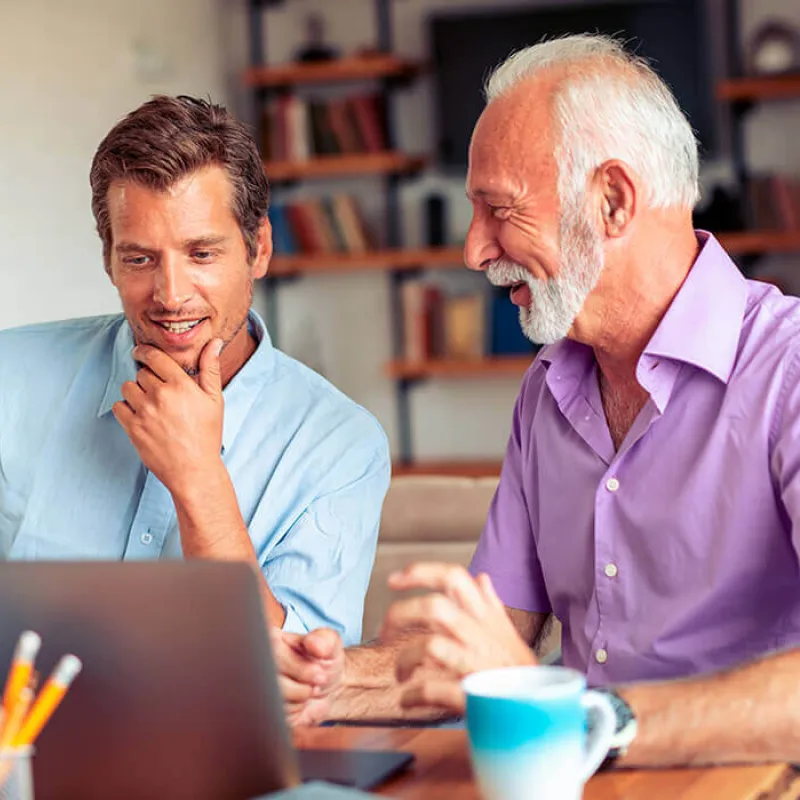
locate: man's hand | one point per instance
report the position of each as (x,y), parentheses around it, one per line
(175,423)
(311,668)
(466,629)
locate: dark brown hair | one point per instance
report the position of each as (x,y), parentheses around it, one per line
(167,139)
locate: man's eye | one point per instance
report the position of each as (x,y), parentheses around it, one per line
(202,255)
(500,212)
(135,261)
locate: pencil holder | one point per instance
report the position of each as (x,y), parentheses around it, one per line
(16,774)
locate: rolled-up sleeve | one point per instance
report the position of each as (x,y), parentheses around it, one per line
(320,570)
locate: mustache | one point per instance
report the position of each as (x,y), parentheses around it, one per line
(505,272)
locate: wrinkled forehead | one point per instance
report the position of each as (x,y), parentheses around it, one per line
(513,141)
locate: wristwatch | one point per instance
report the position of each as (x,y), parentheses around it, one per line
(625,731)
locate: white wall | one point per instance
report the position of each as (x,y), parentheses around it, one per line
(68,72)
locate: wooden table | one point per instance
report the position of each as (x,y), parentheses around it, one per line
(442,770)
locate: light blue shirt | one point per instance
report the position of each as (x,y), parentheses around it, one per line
(310,467)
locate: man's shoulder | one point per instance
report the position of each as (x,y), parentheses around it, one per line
(327,405)
(64,338)
(771,322)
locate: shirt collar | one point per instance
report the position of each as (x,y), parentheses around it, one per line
(704,321)
(701,326)
(239,394)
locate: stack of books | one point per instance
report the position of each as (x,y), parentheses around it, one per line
(459,326)
(773,202)
(296,129)
(320,225)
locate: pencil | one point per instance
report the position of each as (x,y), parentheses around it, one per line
(14,720)
(48,700)
(21,667)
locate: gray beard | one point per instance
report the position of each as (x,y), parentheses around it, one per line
(556,302)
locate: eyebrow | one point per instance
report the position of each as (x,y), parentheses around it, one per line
(188,244)
(204,241)
(483,194)
(131,247)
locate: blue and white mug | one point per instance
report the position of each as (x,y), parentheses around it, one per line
(528,732)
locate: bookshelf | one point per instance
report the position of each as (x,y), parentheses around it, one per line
(411,259)
(760,242)
(307,137)
(344,165)
(742,93)
(493,366)
(403,259)
(373,66)
(783,87)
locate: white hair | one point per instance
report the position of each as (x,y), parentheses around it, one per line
(624,112)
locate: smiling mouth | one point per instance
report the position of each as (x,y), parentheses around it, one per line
(179,327)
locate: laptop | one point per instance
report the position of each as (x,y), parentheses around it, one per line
(178,697)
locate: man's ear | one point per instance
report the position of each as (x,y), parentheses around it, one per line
(263,249)
(616,188)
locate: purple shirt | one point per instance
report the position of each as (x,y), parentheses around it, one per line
(679,553)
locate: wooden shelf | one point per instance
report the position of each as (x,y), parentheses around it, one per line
(755,242)
(376,260)
(341,70)
(743,243)
(777,88)
(459,469)
(335,166)
(497,366)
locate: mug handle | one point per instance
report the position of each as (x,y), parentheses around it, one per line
(601,734)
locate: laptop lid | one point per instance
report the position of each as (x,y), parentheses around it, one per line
(178,696)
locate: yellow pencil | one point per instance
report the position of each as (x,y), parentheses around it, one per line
(48,699)
(21,667)
(14,720)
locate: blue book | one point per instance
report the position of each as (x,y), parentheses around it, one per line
(506,336)
(282,237)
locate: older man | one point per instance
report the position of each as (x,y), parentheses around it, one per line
(650,495)
(176,428)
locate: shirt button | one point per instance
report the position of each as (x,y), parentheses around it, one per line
(612,484)
(611,570)
(601,656)
(146,538)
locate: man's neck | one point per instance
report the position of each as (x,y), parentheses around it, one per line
(647,285)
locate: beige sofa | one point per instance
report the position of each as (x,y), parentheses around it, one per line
(428,518)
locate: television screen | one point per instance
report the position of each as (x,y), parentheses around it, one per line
(670,33)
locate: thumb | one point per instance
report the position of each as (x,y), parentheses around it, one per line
(210,379)
(323,644)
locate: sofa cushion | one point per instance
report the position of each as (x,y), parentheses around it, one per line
(436,508)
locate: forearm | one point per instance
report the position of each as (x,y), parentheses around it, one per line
(748,714)
(211,527)
(370,690)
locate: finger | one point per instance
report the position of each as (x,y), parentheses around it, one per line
(281,639)
(294,665)
(447,695)
(159,362)
(133,395)
(148,380)
(210,378)
(449,579)
(426,650)
(123,414)
(324,644)
(486,588)
(292,691)
(433,613)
